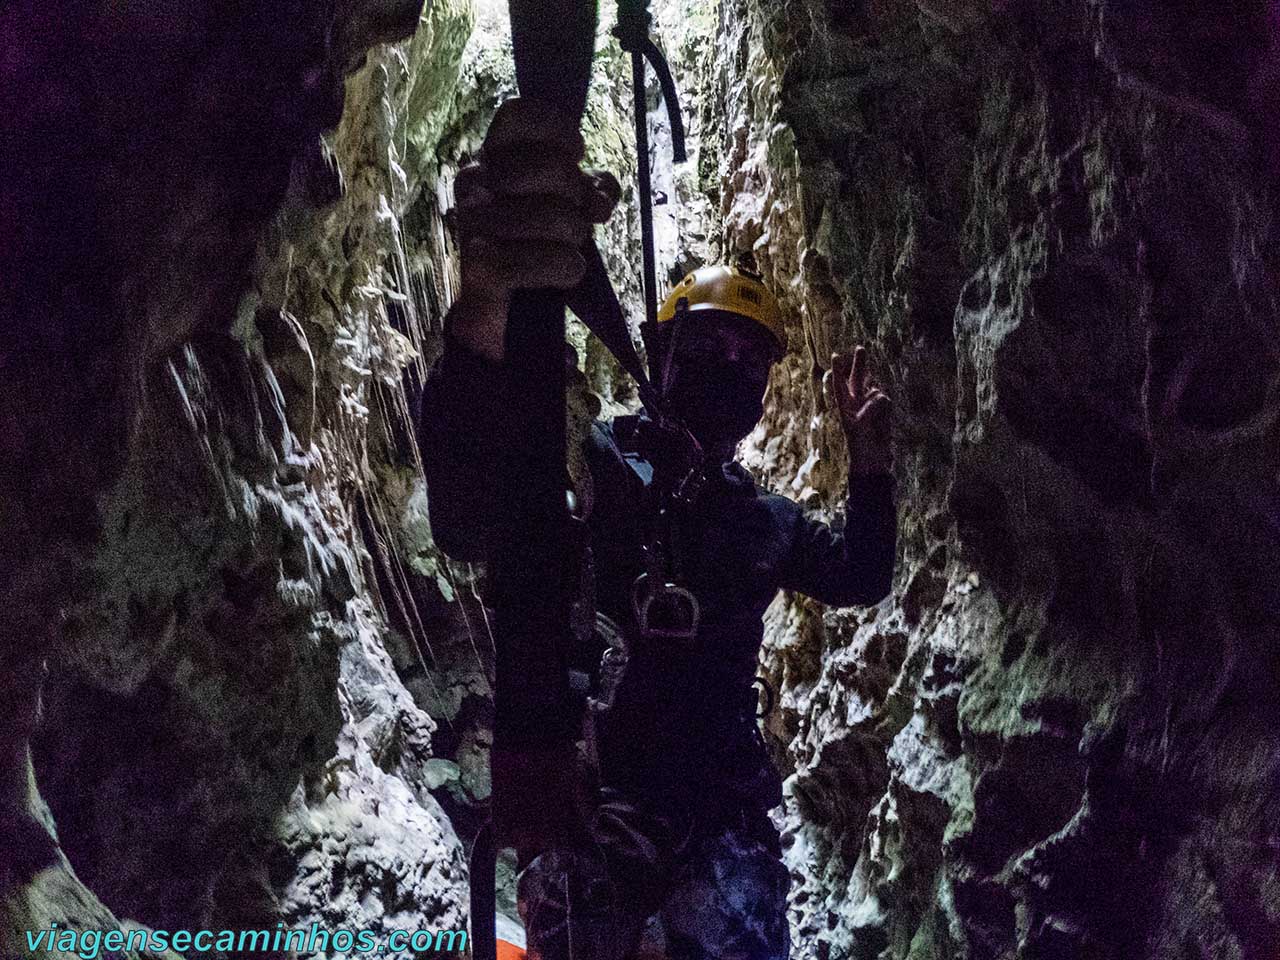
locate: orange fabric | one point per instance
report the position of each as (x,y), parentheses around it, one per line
(509,951)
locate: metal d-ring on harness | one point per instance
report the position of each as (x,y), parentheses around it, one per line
(663,607)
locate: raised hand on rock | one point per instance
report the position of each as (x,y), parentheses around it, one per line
(865,412)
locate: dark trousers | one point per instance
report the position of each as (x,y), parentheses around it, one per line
(710,883)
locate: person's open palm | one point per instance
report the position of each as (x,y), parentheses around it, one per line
(864,413)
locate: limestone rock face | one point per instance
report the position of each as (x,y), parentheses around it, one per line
(195,373)
(1053,225)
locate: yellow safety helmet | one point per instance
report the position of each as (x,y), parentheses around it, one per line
(731,290)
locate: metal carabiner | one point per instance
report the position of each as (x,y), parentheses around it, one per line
(664,609)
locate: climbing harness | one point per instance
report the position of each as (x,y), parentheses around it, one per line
(665,609)
(662,606)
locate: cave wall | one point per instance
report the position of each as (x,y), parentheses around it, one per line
(199,375)
(261,690)
(1053,226)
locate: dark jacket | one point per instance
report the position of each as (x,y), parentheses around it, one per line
(685,717)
